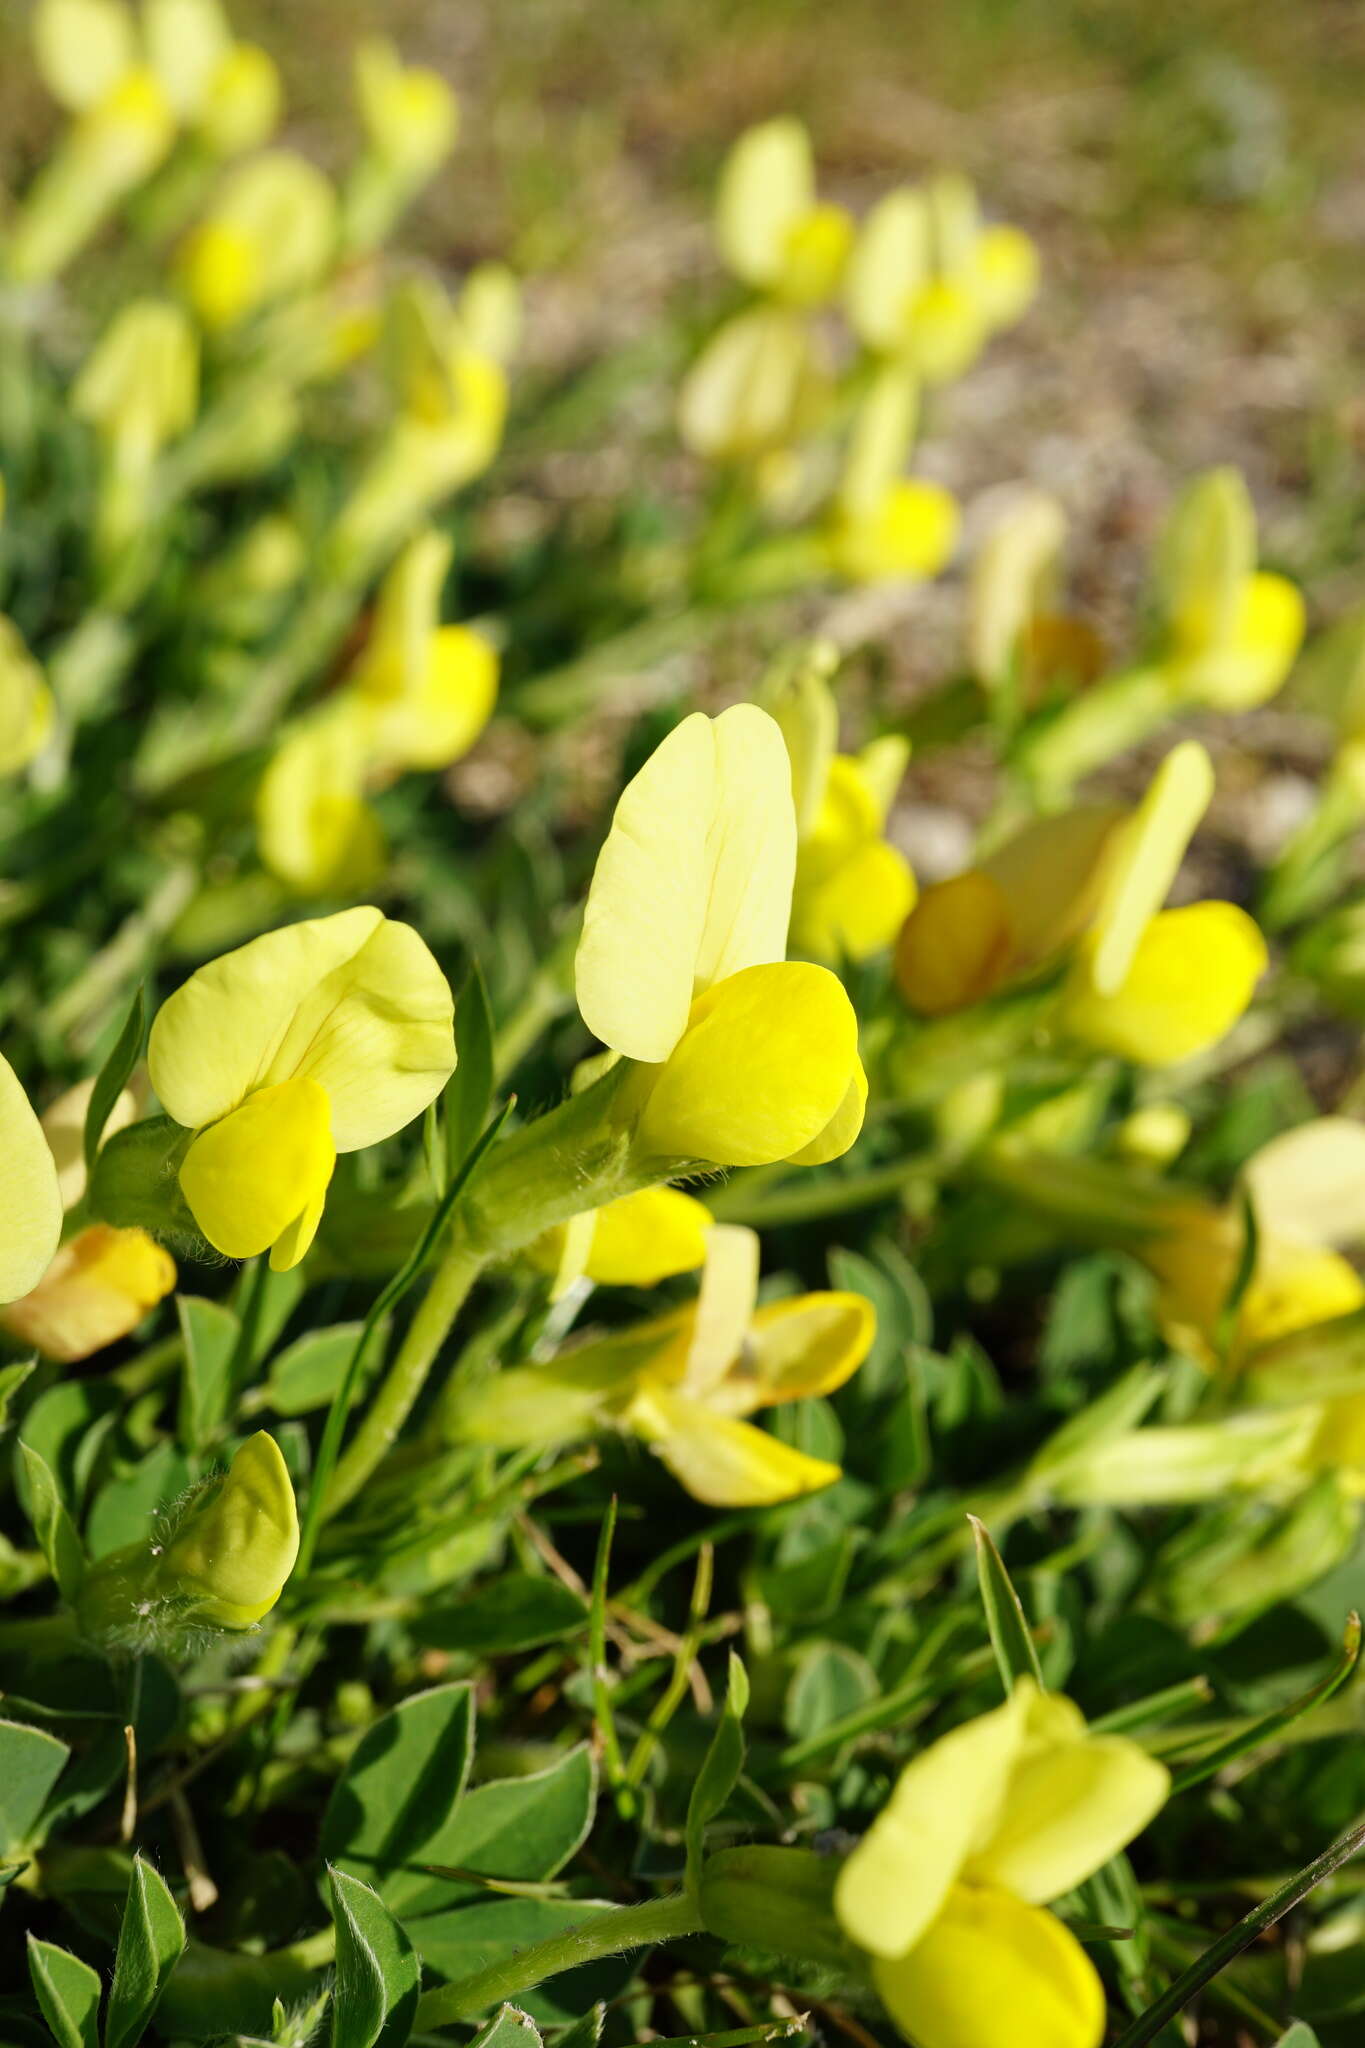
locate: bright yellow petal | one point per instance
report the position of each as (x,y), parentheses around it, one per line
(648,1237)
(97,1289)
(1074,1800)
(1193,974)
(251,1177)
(725,1307)
(767,183)
(1308,1185)
(947,329)
(992,1972)
(766,1062)
(1144,858)
(1295,1286)
(694,880)
(911,532)
(30,1200)
(1005,272)
(440,719)
(724,1463)
(808,1345)
(858,909)
(834,1138)
(313,827)
(354,1002)
(946,1803)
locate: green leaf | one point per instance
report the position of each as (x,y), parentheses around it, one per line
(585,2032)
(52,1525)
(209,1333)
(522,1829)
(68,1992)
(719,1773)
(510,2028)
(377,1972)
(830,1681)
(114,1075)
(307,1374)
(469,1090)
(122,1510)
(150,1943)
(396,1798)
(1300,2035)
(1005,1618)
(518,1612)
(31,1761)
(12,1377)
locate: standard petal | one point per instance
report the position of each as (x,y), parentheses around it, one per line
(83,48)
(252,1176)
(646,907)
(945,1805)
(750,848)
(888,267)
(1074,1800)
(767,184)
(30,1200)
(1051,877)
(992,1972)
(1308,1185)
(766,1062)
(724,1463)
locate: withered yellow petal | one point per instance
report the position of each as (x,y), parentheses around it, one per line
(1051,877)
(945,1805)
(992,1972)
(767,1060)
(723,1462)
(354,1002)
(252,1176)
(957,944)
(1143,859)
(97,1289)
(1193,974)
(30,1200)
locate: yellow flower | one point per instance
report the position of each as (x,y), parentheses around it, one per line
(680,966)
(636,1241)
(772,232)
(314,829)
(410,117)
(687,1382)
(231,1556)
(910,532)
(30,1198)
(323,1037)
(112,145)
(853,891)
(63,1124)
(97,1289)
(242,108)
(27,709)
(946,1891)
(140,384)
(270,233)
(756,388)
(1232,632)
(1013,586)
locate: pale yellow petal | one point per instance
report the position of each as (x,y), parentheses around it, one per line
(83,48)
(236,1548)
(888,267)
(64,1128)
(946,1804)
(750,848)
(1308,1185)
(722,1462)
(809,1345)
(755,387)
(314,829)
(1206,555)
(992,1972)
(767,1060)
(766,184)
(1013,578)
(1074,1800)
(186,41)
(30,1199)
(1193,974)
(251,1177)
(97,1289)
(1144,858)
(879,439)
(725,1306)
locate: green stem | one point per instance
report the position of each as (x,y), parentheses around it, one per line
(407,1376)
(831,1196)
(610,1934)
(564,693)
(1092,730)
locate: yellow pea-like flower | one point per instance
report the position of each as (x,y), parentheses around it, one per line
(1193,973)
(756,389)
(270,233)
(686,1383)
(27,708)
(1233,631)
(323,1037)
(241,109)
(231,1556)
(772,231)
(410,118)
(97,1289)
(636,1241)
(140,385)
(1013,585)
(853,891)
(30,1198)
(314,828)
(946,1890)
(910,532)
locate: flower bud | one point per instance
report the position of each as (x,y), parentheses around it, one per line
(773,1898)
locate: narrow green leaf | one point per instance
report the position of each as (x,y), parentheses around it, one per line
(150,1943)
(210,1334)
(1258,1733)
(1009,1630)
(114,1075)
(1300,2035)
(469,1090)
(68,1991)
(719,1773)
(53,1526)
(12,1377)
(377,1971)
(585,2032)
(31,1761)
(597,1658)
(510,2027)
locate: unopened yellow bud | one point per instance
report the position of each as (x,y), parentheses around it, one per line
(242,107)
(1155,1134)
(234,1551)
